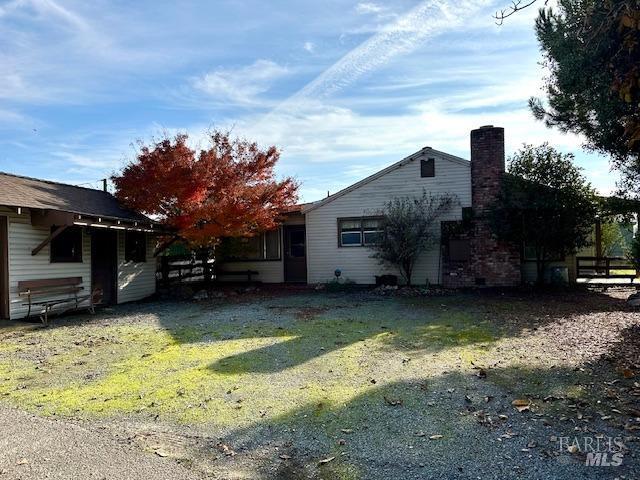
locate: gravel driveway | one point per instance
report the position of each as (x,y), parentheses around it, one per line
(326,386)
(37,448)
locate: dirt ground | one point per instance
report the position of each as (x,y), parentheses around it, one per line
(313,385)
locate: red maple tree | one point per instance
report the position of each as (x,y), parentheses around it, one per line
(227,190)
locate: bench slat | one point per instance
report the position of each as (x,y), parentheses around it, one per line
(53,292)
(48,283)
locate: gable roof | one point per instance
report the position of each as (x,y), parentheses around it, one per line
(420,153)
(26,192)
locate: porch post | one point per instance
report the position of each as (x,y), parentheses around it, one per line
(598,239)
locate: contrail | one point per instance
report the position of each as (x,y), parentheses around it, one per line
(429,18)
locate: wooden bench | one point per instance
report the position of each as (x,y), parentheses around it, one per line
(61,294)
(248,273)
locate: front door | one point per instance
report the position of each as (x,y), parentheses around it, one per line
(4,268)
(295,258)
(104,264)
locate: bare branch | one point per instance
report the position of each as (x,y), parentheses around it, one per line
(516,6)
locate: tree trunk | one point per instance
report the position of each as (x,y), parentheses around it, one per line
(540,263)
(408,270)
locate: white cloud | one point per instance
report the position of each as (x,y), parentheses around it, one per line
(10,120)
(241,85)
(309,47)
(47,10)
(400,37)
(368,7)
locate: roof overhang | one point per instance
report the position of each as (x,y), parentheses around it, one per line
(50,218)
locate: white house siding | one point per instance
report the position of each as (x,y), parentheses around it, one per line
(269,271)
(23,238)
(323,253)
(136,280)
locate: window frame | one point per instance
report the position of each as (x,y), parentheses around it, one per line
(532,259)
(78,258)
(127,251)
(428,167)
(361,231)
(263,241)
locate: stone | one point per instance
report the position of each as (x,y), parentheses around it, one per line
(634,300)
(200,295)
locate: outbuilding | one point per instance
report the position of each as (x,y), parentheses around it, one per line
(58,239)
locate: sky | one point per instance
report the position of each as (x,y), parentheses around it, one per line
(342,87)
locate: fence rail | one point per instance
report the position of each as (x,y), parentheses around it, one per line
(183,269)
(604,267)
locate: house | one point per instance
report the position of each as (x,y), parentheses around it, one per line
(51,230)
(318,238)
(335,232)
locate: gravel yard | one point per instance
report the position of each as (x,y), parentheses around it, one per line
(337,386)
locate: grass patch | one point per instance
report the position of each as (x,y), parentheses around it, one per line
(237,365)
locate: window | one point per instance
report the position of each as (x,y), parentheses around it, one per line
(67,246)
(265,246)
(135,247)
(428,168)
(529,255)
(296,243)
(272,245)
(358,232)
(459,250)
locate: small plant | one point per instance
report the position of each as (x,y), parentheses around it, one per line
(408,229)
(337,285)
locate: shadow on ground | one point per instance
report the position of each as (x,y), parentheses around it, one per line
(453,426)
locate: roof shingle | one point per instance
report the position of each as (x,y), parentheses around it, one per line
(18,191)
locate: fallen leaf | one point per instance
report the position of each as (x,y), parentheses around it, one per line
(394,402)
(436,437)
(161,453)
(628,373)
(346,430)
(284,457)
(226,449)
(521,405)
(24,461)
(326,460)
(573,449)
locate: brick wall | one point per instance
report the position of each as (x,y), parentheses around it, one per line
(492,263)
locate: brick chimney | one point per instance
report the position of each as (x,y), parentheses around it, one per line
(494,263)
(487,166)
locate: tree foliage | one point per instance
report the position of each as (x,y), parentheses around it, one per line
(408,228)
(545,204)
(226,190)
(611,238)
(592,51)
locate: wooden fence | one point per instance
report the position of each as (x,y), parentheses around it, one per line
(183,269)
(605,267)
